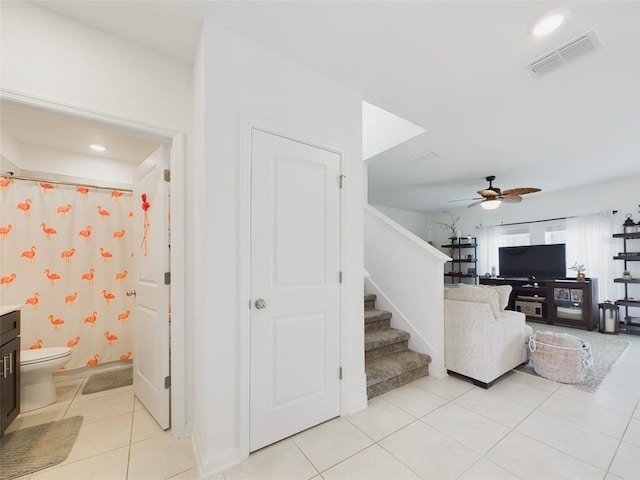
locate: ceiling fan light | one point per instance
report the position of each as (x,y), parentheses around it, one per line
(491,204)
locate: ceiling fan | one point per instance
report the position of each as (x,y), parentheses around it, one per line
(492,197)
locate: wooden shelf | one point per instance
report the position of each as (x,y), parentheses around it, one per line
(456,264)
(532,299)
(626,280)
(626,235)
(628,303)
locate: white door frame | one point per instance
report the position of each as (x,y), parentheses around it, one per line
(249,122)
(177,207)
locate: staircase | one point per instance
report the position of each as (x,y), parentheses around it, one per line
(389,363)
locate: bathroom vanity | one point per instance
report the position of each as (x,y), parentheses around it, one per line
(9,365)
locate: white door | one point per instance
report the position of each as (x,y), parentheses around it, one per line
(295,291)
(152,319)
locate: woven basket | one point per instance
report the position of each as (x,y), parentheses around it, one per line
(560,356)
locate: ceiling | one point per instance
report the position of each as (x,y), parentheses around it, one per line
(31,126)
(454,68)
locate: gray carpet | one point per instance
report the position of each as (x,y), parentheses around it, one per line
(108,380)
(31,449)
(606,350)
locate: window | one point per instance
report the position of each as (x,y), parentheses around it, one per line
(515,238)
(555,234)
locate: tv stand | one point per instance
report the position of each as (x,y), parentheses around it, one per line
(558,301)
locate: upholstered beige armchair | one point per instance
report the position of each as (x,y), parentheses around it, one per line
(483,340)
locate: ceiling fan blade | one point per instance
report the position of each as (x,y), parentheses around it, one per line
(488,193)
(520,191)
(475,203)
(466,199)
(511,198)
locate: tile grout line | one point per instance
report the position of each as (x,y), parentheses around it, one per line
(553,447)
(615,454)
(133,415)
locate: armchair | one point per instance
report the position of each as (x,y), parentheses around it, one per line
(483,340)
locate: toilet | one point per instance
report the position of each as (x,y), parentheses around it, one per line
(37,389)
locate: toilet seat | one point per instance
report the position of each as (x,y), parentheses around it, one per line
(39,355)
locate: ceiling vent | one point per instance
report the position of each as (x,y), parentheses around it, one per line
(565,53)
(428,155)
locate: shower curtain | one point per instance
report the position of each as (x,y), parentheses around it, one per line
(66,252)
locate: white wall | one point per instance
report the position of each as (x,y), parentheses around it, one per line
(621,195)
(240,80)
(418,223)
(406,275)
(55,58)
(10,156)
(49,164)
(68,66)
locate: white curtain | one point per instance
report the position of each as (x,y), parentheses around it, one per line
(590,243)
(489,240)
(66,252)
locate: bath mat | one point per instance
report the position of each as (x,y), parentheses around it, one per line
(606,351)
(31,449)
(108,380)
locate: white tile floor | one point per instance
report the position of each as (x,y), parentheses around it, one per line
(522,427)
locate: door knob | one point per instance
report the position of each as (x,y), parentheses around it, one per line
(131,293)
(260,304)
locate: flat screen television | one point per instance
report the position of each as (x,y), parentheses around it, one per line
(540,261)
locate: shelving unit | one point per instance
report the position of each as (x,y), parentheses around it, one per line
(462,258)
(631,319)
(561,301)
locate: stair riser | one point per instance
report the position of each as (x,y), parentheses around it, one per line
(369,304)
(382,351)
(395,382)
(376,325)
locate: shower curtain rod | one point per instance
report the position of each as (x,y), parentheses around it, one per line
(60,182)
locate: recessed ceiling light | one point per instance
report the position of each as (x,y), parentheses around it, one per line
(549,21)
(97,148)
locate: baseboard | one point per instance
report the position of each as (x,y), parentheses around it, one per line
(210,467)
(355,406)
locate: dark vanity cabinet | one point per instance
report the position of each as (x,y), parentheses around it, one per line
(9,368)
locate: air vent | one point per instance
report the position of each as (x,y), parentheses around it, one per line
(565,53)
(429,155)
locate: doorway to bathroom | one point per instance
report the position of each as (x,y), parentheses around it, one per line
(58,168)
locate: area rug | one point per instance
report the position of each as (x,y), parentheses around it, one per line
(606,350)
(108,380)
(31,449)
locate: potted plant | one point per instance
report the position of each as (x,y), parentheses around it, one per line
(452,225)
(626,274)
(579,269)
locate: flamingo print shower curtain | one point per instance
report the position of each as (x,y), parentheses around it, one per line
(66,252)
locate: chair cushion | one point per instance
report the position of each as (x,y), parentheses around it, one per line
(475,293)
